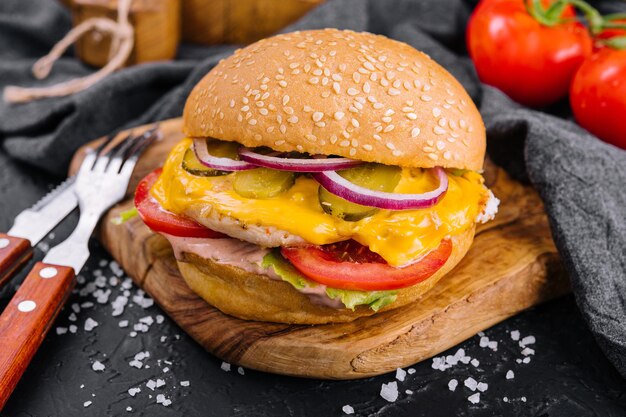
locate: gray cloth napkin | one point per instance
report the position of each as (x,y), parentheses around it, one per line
(581,179)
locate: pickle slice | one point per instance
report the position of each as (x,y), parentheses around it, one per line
(262,182)
(377,177)
(219,148)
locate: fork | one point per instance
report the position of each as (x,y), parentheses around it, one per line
(101,182)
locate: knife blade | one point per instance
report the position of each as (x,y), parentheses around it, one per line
(32,225)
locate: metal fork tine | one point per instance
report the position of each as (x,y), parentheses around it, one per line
(88,162)
(117,153)
(142,145)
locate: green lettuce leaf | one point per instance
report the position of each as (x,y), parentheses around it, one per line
(125,216)
(350,298)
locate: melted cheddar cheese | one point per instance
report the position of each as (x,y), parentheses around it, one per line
(400,237)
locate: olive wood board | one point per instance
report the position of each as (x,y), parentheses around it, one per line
(511,266)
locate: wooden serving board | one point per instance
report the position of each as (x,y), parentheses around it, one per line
(512,265)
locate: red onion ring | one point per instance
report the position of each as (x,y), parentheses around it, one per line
(341,187)
(295,164)
(223,164)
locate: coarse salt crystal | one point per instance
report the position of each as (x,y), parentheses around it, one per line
(474,398)
(159,319)
(482,386)
(61,330)
(90,324)
(475,362)
(471,383)
(409,392)
(87,404)
(524,399)
(151,384)
(160,383)
(493,345)
(129,408)
(453,384)
(241,371)
(510,374)
(225,366)
(505,399)
(411,371)
(400,374)
(528,340)
(526,359)
(347,409)
(163,339)
(134,391)
(97,366)
(484,341)
(528,351)
(389,391)
(184,383)
(135,363)
(123,323)
(515,335)
(73,328)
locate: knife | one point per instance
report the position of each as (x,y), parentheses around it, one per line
(32,225)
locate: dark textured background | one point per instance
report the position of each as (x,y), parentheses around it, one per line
(580,179)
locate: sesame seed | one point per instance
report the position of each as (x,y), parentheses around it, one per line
(269,129)
(265,96)
(447,155)
(282,83)
(390,145)
(252,122)
(436,111)
(257,136)
(294,65)
(353,109)
(355,122)
(293,119)
(374,76)
(426,98)
(378,138)
(369,66)
(393,92)
(438,130)
(451,140)
(314,80)
(433,156)
(345,134)
(366,87)
(415,132)
(411,116)
(368,147)
(279,142)
(397,153)
(307,109)
(320,124)
(389,112)
(325,94)
(386,119)
(260,104)
(462,123)
(264,112)
(442,122)
(239,118)
(389,128)
(352,91)
(342,67)
(339,115)
(352,152)
(317,72)
(378,106)
(317,116)
(333,139)
(344,143)
(245,108)
(245,100)
(371,99)
(336,88)
(311,137)
(428,149)
(356,77)
(286,99)
(232,103)
(288,110)
(440,144)
(355,142)
(282,129)
(384,82)
(390,75)
(426,87)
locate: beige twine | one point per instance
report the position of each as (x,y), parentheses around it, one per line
(121,46)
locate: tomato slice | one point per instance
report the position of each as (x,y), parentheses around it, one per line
(351,266)
(160,220)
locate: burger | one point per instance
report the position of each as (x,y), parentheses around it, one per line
(324,176)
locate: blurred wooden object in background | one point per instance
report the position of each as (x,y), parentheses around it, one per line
(239,21)
(156,24)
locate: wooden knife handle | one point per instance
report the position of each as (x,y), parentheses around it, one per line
(14,252)
(26,320)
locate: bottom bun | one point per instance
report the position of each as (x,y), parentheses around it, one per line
(251,296)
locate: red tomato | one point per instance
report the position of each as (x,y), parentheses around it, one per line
(598,96)
(351,266)
(530,62)
(160,220)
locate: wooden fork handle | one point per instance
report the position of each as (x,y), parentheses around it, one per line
(14,253)
(28,317)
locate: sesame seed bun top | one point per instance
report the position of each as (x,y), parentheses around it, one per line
(333,92)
